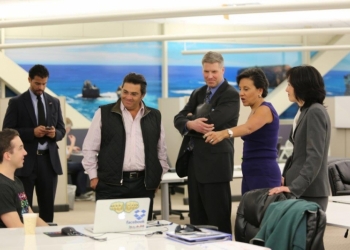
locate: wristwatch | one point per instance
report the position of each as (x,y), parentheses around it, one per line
(230,133)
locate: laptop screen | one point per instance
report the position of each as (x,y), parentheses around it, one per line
(121,215)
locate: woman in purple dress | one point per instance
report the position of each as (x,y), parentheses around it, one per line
(259,133)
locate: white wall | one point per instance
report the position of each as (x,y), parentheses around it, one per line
(126,29)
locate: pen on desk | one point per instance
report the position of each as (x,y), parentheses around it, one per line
(158,224)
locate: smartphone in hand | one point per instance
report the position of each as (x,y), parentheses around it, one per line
(48,128)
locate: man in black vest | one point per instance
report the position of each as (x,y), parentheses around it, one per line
(124,149)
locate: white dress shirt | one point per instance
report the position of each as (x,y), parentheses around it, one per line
(134,157)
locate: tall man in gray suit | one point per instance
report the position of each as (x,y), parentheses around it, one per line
(37,117)
(210,167)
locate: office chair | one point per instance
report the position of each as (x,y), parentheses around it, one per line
(251,211)
(339,176)
(292,224)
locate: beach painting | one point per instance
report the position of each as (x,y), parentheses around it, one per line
(89,75)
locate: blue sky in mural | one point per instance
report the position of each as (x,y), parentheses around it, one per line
(146,53)
(105,66)
(336,84)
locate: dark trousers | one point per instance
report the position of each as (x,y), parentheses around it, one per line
(78,176)
(131,188)
(44,179)
(209,203)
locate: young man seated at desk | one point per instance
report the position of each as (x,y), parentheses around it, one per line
(13,200)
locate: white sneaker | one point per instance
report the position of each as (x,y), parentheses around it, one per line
(84,197)
(89,193)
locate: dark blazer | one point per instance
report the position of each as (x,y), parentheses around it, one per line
(308,172)
(214,162)
(20,115)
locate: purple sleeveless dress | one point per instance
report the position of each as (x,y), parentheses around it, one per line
(259,162)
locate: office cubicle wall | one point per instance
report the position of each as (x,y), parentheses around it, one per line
(340,126)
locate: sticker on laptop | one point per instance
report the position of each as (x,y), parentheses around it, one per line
(128,207)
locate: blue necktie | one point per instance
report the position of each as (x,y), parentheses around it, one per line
(207,96)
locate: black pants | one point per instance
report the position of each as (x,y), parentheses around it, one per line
(209,203)
(44,179)
(131,188)
(79,178)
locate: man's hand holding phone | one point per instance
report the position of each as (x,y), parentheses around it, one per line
(50,131)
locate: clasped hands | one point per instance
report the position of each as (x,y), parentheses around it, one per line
(200,126)
(42,131)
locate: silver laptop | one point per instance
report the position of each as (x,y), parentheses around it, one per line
(120,215)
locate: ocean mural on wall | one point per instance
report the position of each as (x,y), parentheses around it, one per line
(104,66)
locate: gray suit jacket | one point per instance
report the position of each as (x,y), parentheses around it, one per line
(308,174)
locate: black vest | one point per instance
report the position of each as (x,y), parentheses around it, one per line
(111,155)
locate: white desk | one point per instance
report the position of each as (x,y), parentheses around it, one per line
(345,199)
(338,214)
(172,178)
(167,178)
(14,239)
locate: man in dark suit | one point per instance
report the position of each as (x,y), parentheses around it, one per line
(38,118)
(210,167)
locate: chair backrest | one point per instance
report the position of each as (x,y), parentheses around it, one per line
(292,223)
(339,176)
(251,211)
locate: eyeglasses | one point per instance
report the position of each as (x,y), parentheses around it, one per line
(186,229)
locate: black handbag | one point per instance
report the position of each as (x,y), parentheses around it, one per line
(181,165)
(203,110)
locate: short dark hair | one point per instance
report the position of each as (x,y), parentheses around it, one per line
(257,76)
(6,136)
(308,84)
(38,70)
(136,79)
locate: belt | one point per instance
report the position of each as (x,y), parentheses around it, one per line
(133,174)
(42,152)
